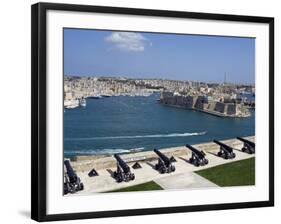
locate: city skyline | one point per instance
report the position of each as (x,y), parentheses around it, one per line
(159,56)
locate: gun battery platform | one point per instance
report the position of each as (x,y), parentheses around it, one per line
(154,166)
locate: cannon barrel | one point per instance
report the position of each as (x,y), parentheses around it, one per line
(226,147)
(70,172)
(163,157)
(68,167)
(125,167)
(196,151)
(252,144)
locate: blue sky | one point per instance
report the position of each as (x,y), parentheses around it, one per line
(153,55)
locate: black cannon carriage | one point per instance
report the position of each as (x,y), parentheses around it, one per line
(248,147)
(197,157)
(123,172)
(164,164)
(226,151)
(72,182)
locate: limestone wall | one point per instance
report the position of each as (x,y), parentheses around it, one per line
(183,101)
(231,109)
(201,103)
(220,107)
(86,163)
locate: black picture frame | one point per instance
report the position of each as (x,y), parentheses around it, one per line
(38,110)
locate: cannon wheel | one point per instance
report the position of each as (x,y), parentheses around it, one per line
(81,187)
(206,161)
(119,180)
(249,151)
(162,170)
(72,189)
(196,163)
(132,176)
(67,189)
(224,155)
(127,179)
(156,166)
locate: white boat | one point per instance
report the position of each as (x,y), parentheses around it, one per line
(82,102)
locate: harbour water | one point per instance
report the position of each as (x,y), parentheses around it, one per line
(128,124)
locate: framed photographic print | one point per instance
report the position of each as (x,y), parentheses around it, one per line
(139,111)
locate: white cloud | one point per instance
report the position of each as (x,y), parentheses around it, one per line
(128,41)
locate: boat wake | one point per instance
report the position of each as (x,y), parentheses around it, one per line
(102,151)
(173,135)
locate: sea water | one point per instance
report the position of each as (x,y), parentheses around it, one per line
(125,124)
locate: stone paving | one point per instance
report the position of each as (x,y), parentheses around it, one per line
(183,177)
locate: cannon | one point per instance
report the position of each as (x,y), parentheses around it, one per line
(123,172)
(197,157)
(164,164)
(66,188)
(248,147)
(226,151)
(72,182)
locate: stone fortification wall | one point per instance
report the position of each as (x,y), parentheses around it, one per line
(200,103)
(220,107)
(86,163)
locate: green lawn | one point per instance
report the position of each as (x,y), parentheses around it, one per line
(149,186)
(237,173)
